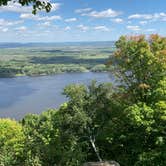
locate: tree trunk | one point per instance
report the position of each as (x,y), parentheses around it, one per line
(92,141)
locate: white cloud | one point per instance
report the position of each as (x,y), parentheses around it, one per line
(39,18)
(3,29)
(83,28)
(4,22)
(140,16)
(16,7)
(129,22)
(28,16)
(46,24)
(155,16)
(96,28)
(47,31)
(143,22)
(22,28)
(67,28)
(101,28)
(103,14)
(55,6)
(150,30)
(117,20)
(133,28)
(71,20)
(49,18)
(83,10)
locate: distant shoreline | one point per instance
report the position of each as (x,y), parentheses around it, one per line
(40,75)
(55,44)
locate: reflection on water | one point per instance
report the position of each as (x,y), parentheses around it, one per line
(22,95)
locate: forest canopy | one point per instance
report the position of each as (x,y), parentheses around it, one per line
(123,122)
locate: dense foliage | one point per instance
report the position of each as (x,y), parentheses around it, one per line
(126,122)
(141,69)
(11,142)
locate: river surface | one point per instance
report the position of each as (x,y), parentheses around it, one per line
(22,95)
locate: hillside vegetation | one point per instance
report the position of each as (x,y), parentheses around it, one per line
(46,60)
(125,123)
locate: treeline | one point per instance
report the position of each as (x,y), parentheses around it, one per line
(47,61)
(125,123)
(12,70)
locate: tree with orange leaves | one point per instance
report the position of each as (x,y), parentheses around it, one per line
(140,63)
(139,137)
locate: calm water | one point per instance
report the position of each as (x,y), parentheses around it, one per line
(22,95)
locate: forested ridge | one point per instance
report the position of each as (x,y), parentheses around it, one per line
(125,122)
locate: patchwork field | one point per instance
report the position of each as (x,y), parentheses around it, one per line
(50,59)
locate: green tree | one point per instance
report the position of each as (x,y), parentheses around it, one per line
(85,116)
(36,4)
(139,137)
(11,143)
(140,64)
(42,139)
(125,122)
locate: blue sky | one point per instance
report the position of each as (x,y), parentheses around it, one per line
(83,20)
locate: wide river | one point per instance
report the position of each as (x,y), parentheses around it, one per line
(22,95)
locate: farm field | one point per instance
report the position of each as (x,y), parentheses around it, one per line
(50,59)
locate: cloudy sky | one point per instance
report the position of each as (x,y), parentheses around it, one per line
(82,20)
